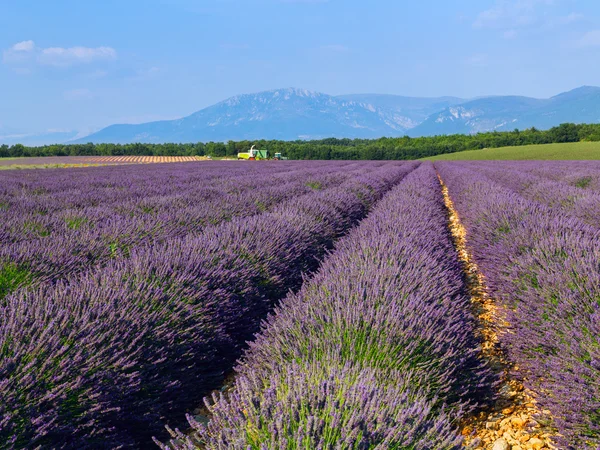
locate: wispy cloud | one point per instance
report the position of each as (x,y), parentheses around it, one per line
(512,18)
(511,13)
(97,74)
(589,39)
(478,60)
(64,57)
(78,94)
(18,53)
(570,18)
(151,71)
(146,74)
(28,52)
(563,21)
(59,130)
(24,46)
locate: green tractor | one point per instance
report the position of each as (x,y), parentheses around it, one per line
(278,157)
(254,154)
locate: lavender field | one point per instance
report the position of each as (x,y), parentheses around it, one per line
(301,305)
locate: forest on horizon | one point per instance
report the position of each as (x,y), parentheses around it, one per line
(403,148)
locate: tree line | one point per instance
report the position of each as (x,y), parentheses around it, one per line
(396,148)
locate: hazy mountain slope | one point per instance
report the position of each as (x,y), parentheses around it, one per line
(412,110)
(581,105)
(285,114)
(290,114)
(11,137)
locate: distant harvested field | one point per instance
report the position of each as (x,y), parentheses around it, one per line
(567,151)
(77,161)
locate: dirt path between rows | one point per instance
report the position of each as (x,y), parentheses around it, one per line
(514,421)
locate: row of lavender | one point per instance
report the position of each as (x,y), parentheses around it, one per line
(570,188)
(140,191)
(582,174)
(378,350)
(541,263)
(98,360)
(94,219)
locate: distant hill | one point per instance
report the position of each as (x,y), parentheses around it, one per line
(581,105)
(411,111)
(11,137)
(291,114)
(286,114)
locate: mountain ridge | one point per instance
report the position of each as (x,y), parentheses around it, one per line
(505,113)
(293,114)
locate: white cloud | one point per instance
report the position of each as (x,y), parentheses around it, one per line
(563,21)
(488,17)
(28,52)
(85,132)
(58,56)
(97,74)
(478,60)
(511,18)
(146,74)
(78,94)
(590,39)
(511,13)
(24,46)
(18,53)
(58,130)
(573,17)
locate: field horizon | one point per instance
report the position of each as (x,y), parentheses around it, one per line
(571,151)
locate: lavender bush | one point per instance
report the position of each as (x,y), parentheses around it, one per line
(322,407)
(378,350)
(52,234)
(98,359)
(574,194)
(542,265)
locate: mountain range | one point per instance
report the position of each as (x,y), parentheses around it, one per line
(285,114)
(291,114)
(10,136)
(506,113)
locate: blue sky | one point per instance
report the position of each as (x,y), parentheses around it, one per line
(82,65)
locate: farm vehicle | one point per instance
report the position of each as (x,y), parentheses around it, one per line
(255,154)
